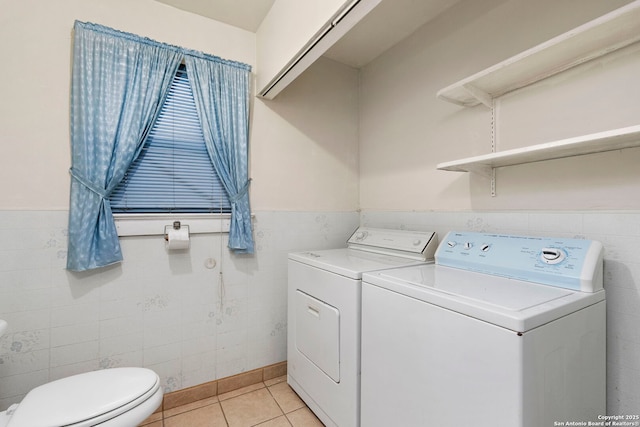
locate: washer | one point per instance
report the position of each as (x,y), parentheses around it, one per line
(502,330)
(324,293)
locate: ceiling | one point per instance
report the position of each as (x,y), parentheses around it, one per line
(245,14)
(389,23)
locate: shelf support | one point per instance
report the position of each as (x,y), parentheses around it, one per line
(484,171)
(479,94)
(494,140)
(493,182)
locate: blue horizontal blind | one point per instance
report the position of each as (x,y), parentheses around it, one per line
(173,173)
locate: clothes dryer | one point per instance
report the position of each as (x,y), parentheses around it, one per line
(324,296)
(502,331)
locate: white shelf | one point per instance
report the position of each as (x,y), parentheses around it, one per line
(596,38)
(587,144)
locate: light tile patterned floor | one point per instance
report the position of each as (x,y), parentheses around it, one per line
(266,404)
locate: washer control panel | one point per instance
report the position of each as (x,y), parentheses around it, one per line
(567,263)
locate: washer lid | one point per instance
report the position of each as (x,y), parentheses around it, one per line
(83,397)
(350,262)
(505,302)
(498,292)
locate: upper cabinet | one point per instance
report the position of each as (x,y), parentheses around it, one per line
(603,35)
(295,33)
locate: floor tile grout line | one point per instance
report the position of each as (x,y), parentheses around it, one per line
(251,391)
(164,417)
(242,394)
(304,404)
(276,400)
(271,419)
(189,410)
(279,407)
(223,413)
(288,420)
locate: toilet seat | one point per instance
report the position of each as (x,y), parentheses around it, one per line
(87,399)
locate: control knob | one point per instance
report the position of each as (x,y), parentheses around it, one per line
(360,235)
(552,255)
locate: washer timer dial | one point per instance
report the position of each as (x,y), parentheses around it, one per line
(552,255)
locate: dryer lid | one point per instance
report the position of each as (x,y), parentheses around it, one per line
(83,397)
(350,263)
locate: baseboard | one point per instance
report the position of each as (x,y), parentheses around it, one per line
(222,385)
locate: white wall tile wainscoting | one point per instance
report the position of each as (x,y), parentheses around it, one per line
(165,311)
(168,312)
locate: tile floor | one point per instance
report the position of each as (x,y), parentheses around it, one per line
(267,404)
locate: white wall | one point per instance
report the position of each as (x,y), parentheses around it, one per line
(305,143)
(36,40)
(164,311)
(405,131)
(36,35)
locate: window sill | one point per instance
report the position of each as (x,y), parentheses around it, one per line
(154,224)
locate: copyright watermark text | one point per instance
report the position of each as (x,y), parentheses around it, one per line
(604,421)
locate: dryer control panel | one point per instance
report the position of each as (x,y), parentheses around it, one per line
(419,245)
(562,262)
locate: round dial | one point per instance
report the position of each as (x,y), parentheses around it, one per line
(552,255)
(360,235)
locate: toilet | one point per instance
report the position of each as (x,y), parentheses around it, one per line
(116,397)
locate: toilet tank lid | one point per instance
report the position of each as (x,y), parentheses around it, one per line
(83,397)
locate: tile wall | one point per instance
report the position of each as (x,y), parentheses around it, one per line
(168,312)
(171,313)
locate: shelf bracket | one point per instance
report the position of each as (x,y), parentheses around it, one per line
(479,94)
(484,171)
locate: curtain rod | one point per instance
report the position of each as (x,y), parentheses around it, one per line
(130,36)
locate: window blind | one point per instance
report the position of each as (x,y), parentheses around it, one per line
(173,173)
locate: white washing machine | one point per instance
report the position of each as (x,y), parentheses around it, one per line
(323,327)
(502,330)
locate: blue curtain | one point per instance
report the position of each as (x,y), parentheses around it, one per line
(221,92)
(119,82)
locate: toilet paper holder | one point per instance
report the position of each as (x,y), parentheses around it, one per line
(176,226)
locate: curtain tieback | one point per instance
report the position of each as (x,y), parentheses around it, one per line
(240,194)
(82,180)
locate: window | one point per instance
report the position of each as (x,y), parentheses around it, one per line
(117,74)
(173,173)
